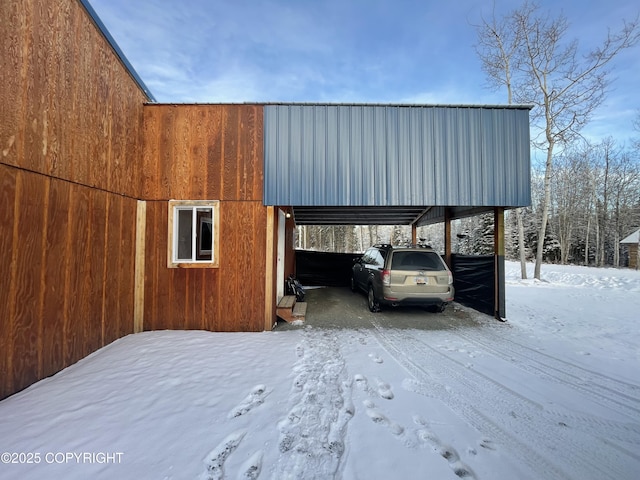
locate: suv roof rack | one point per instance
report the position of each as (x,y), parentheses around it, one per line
(406,245)
(417,245)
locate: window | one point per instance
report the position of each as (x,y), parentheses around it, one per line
(193,233)
(429,261)
(378,261)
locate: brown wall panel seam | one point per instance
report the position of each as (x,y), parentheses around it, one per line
(71,182)
(12,285)
(43,283)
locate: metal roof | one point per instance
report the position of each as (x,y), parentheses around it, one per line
(633,238)
(350,156)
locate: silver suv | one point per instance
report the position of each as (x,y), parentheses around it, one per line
(414,275)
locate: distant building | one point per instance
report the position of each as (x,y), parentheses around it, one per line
(631,243)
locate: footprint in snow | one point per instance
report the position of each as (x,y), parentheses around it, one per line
(378,417)
(384,390)
(300,380)
(361,381)
(375,358)
(487,444)
(255,398)
(252,467)
(447,452)
(216,458)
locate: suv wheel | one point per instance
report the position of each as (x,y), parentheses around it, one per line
(373,303)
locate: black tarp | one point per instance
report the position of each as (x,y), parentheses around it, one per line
(473,281)
(472,275)
(324,268)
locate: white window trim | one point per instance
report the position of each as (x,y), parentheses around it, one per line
(174,205)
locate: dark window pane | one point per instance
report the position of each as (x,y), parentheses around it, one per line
(184,231)
(416,261)
(204,234)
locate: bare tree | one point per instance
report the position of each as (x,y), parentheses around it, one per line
(608,155)
(564,87)
(636,127)
(498,49)
(624,188)
(569,197)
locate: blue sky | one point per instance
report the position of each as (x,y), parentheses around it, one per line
(374,51)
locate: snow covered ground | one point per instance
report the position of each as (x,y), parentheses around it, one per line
(553,393)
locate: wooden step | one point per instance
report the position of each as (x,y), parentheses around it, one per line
(288,301)
(300,310)
(289,310)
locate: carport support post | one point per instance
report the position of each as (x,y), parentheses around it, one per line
(447,237)
(498,273)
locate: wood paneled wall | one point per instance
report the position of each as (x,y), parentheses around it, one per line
(206,152)
(67,277)
(198,152)
(229,298)
(69,107)
(71,121)
(633,256)
(78,148)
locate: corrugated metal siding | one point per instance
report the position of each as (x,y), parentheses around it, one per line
(358,155)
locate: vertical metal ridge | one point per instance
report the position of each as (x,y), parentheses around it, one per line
(359,155)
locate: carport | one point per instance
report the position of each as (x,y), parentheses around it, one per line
(363,164)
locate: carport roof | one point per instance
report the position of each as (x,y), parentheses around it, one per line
(395,164)
(321,215)
(391,215)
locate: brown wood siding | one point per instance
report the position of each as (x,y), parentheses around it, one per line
(206,152)
(78,149)
(289,247)
(228,298)
(69,107)
(7,221)
(70,175)
(56,292)
(203,152)
(633,255)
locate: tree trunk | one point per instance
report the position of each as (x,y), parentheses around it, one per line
(523,255)
(545,211)
(597,256)
(616,233)
(586,241)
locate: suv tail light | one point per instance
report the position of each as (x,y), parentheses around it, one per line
(386,277)
(450,278)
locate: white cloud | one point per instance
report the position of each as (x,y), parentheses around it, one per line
(334,51)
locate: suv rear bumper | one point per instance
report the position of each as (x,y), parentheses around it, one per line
(418,299)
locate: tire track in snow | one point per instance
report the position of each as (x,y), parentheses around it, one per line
(312,434)
(623,397)
(537,437)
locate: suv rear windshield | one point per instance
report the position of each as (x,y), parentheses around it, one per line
(416,261)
